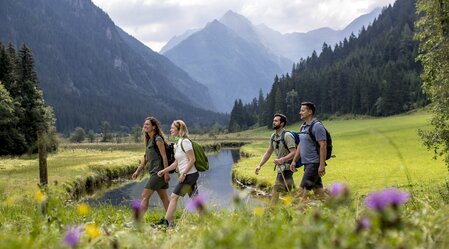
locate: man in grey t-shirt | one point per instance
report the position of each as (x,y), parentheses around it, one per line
(312,156)
(284,149)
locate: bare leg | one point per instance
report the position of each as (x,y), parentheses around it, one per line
(303,194)
(171,208)
(164,197)
(274,197)
(146,194)
(319,193)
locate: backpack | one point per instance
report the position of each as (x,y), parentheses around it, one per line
(169,152)
(201,161)
(296,136)
(328,140)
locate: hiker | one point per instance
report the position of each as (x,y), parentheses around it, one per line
(312,156)
(284,149)
(156,160)
(185,163)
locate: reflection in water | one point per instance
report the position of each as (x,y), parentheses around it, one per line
(216,184)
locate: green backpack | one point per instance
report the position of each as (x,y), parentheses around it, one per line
(201,161)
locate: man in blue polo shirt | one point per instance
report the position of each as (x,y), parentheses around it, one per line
(311,152)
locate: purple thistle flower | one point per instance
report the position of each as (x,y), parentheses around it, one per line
(363,223)
(395,196)
(196,203)
(388,197)
(136,206)
(376,201)
(338,189)
(72,236)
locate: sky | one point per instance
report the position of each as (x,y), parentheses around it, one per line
(154,22)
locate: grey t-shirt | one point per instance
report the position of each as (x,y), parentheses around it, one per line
(307,147)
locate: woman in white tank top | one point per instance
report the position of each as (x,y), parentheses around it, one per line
(185,162)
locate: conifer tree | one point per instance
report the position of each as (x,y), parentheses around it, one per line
(31,118)
(11,139)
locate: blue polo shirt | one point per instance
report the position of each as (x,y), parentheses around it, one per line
(307,147)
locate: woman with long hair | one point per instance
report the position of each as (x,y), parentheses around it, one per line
(156,159)
(185,162)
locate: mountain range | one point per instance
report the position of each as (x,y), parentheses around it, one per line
(375,74)
(236,59)
(92,71)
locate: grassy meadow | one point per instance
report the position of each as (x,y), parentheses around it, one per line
(19,176)
(371,154)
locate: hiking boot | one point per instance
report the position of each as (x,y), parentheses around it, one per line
(162,222)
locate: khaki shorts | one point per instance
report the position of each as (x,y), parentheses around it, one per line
(279,185)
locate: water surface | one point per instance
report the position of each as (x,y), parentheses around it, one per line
(215,183)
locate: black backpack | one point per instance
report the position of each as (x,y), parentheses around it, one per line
(169,152)
(317,145)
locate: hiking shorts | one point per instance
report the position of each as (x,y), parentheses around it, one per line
(155,182)
(188,185)
(279,185)
(311,179)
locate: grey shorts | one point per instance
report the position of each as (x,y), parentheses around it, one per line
(188,185)
(155,183)
(311,179)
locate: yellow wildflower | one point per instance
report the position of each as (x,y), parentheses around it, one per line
(39,196)
(83,209)
(259,211)
(92,231)
(287,200)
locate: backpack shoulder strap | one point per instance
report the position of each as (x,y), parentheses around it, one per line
(317,145)
(182,147)
(310,129)
(283,138)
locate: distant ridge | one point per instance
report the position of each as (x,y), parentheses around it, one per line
(236,59)
(92,71)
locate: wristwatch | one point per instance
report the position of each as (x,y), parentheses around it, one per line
(184,174)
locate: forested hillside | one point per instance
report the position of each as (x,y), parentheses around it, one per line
(91,71)
(373,74)
(23,113)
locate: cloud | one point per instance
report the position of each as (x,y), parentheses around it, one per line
(154,22)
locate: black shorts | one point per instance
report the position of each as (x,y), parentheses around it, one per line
(279,185)
(187,186)
(311,179)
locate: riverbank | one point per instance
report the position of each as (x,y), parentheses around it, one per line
(79,169)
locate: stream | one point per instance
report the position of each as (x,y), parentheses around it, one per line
(215,183)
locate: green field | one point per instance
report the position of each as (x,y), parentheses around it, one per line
(19,176)
(370,154)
